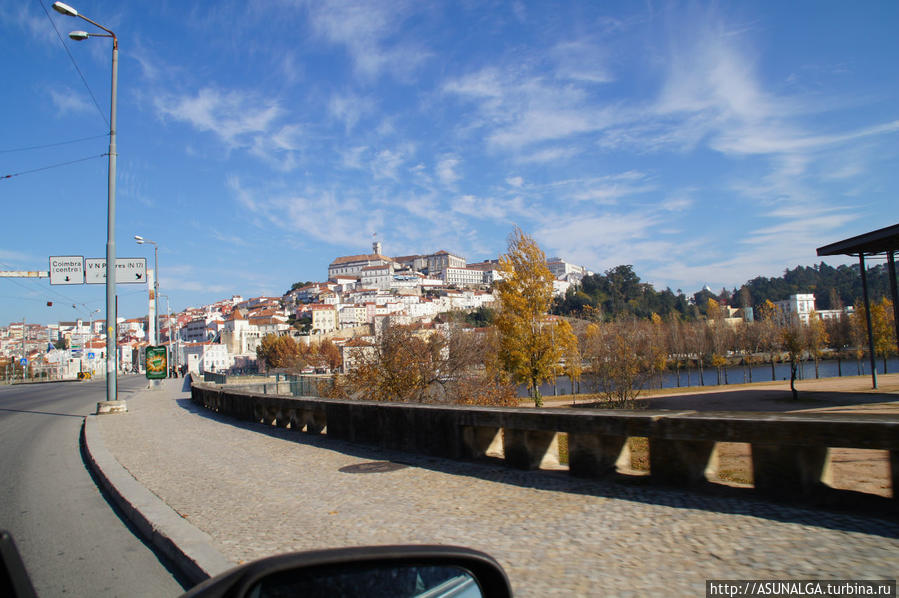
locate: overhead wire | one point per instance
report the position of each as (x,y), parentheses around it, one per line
(9,176)
(75,64)
(43,291)
(34,147)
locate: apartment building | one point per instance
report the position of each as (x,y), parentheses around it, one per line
(797,306)
(463,277)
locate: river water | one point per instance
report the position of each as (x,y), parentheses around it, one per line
(830,368)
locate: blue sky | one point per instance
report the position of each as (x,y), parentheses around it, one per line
(704,143)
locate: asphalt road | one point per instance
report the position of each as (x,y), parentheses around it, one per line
(72,542)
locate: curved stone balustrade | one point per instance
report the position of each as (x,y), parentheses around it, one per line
(790,452)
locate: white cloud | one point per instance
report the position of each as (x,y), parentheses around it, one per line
(581,60)
(386,164)
(349,109)
(548,154)
(520,109)
(515,181)
(67,102)
(235,117)
(352,157)
(369,31)
(490,208)
(446,169)
(321,215)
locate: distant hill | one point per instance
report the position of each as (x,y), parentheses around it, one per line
(619,291)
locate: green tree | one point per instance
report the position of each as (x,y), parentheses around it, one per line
(530,343)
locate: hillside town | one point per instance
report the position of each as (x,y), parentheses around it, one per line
(362,294)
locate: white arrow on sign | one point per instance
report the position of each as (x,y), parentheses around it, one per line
(129,270)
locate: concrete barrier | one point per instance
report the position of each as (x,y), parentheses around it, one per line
(790,452)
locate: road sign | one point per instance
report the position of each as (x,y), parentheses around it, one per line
(128,270)
(90,355)
(66,269)
(23,361)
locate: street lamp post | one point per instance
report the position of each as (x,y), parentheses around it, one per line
(111,319)
(172,347)
(140,241)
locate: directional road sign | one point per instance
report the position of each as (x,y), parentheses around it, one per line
(66,269)
(128,270)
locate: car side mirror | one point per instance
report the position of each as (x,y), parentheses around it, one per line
(394,571)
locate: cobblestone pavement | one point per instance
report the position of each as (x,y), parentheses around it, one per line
(259,491)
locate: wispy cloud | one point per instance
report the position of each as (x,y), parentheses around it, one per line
(321,215)
(235,117)
(519,109)
(349,109)
(68,102)
(241,120)
(446,169)
(370,31)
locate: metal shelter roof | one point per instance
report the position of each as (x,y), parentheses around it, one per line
(884,240)
(881,241)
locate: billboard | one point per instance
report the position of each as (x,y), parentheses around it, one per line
(157,364)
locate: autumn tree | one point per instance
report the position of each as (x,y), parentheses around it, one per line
(621,359)
(530,343)
(883,322)
(815,338)
(449,366)
(770,338)
(793,338)
(322,355)
(718,333)
(882,329)
(677,346)
(279,352)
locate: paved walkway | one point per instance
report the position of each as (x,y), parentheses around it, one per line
(258,491)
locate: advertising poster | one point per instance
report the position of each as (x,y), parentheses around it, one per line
(157,363)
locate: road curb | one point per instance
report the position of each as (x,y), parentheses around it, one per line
(186,546)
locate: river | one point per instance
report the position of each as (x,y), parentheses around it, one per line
(830,368)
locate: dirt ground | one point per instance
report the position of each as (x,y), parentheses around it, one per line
(853,469)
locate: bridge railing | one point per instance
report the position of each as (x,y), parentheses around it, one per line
(790,452)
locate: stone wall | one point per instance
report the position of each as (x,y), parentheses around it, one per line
(790,452)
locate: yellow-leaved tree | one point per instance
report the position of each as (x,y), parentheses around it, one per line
(531,344)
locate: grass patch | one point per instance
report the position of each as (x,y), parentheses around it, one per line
(563,448)
(639,447)
(734,462)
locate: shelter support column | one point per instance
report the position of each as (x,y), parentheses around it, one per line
(861,263)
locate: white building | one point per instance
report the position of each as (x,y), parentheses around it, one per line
(562,269)
(463,277)
(440,261)
(798,306)
(239,336)
(352,265)
(376,277)
(207,357)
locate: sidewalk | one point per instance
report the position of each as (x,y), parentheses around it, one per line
(254,491)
